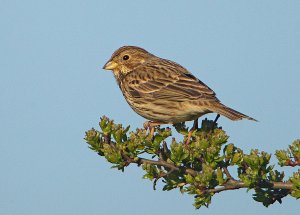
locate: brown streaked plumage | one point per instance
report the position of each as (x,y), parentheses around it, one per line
(163,91)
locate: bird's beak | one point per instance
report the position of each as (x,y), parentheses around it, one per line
(110,65)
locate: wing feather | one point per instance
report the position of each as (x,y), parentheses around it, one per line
(166,81)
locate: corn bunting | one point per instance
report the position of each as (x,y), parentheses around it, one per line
(163,91)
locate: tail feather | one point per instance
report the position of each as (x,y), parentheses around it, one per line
(230,113)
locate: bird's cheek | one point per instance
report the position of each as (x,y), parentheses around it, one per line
(124,69)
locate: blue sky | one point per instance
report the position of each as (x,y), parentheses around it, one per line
(52,90)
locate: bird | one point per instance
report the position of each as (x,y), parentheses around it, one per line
(163,91)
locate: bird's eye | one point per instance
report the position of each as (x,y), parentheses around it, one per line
(125,57)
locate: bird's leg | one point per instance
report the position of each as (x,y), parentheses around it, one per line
(215,121)
(151,126)
(195,127)
(195,124)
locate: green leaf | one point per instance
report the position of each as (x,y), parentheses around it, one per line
(195,168)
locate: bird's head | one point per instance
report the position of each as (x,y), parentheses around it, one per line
(126,59)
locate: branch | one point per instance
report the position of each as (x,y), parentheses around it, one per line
(231,184)
(166,164)
(234,185)
(227,173)
(199,168)
(160,162)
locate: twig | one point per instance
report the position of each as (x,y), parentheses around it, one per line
(162,175)
(233,185)
(107,138)
(166,164)
(160,162)
(292,163)
(227,173)
(165,148)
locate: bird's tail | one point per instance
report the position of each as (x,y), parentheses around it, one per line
(230,113)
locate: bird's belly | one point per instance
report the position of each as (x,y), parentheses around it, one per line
(170,112)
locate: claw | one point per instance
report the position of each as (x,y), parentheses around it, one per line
(151,126)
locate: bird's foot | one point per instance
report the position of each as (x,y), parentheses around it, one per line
(195,127)
(151,126)
(188,139)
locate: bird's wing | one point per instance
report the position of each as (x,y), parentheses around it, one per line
(167,81)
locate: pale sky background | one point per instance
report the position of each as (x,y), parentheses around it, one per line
(52,90)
